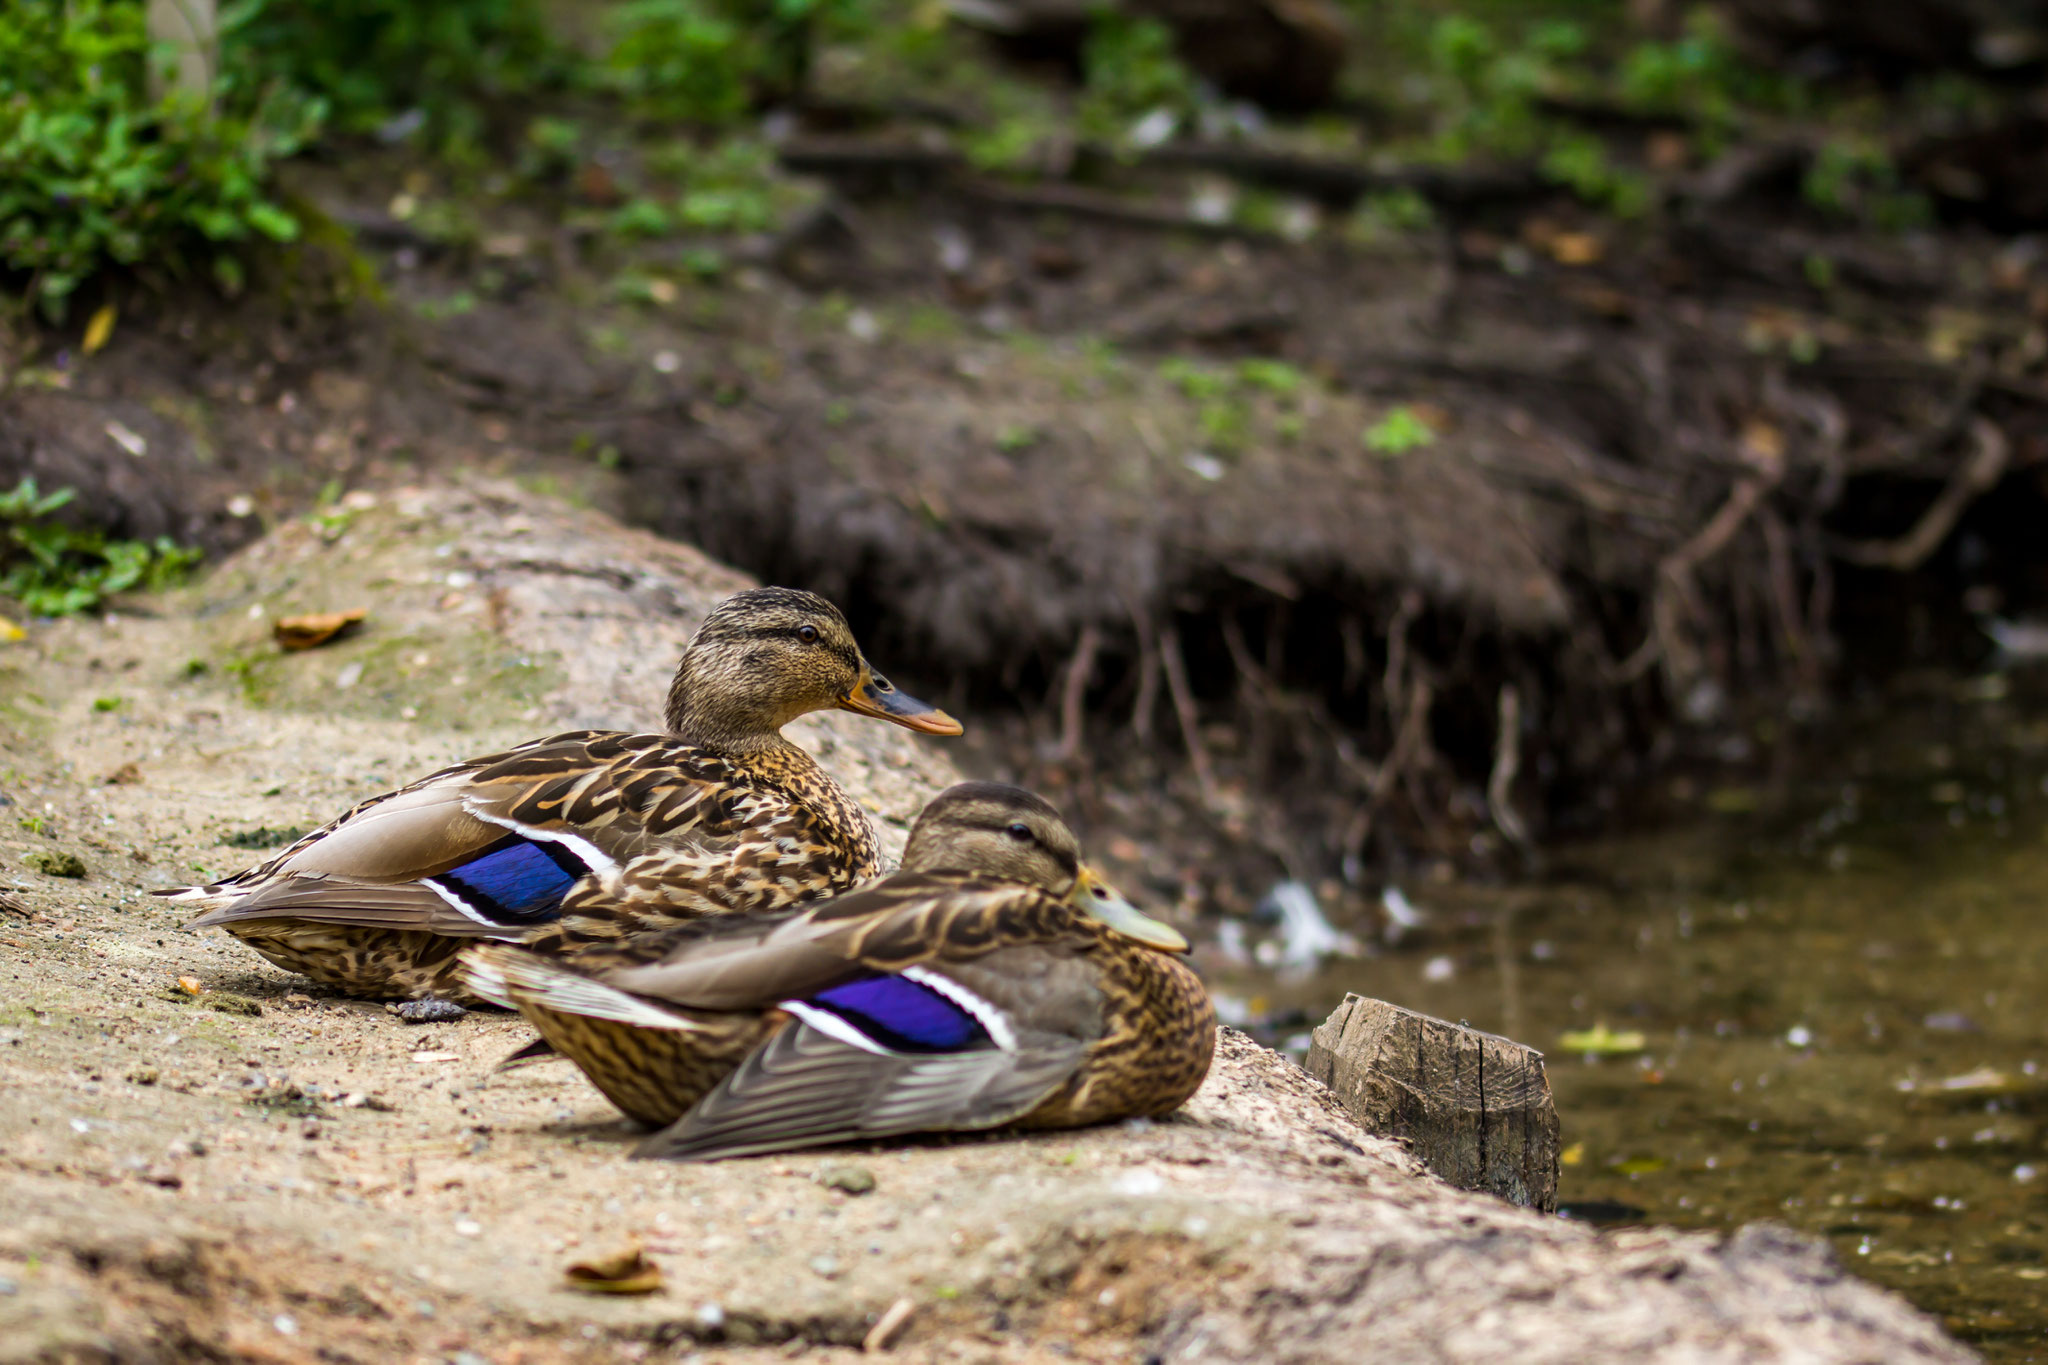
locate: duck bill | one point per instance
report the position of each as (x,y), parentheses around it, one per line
(1107,904)
(875,696)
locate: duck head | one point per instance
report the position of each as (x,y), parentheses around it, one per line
(1003,831)
(766,656)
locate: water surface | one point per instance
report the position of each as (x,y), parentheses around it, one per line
(1838,979)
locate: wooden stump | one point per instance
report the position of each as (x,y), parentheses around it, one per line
(1475,1107)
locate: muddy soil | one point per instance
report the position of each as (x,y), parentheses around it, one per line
(260,1171)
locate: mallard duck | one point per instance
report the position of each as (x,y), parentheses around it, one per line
(592,834)
(992,981)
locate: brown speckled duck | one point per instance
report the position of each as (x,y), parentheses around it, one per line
(590,835)
(993,981)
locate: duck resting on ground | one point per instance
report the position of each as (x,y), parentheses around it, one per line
(992,981)
(589,835)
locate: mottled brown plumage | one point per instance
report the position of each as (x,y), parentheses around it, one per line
(588,836)
(992,982)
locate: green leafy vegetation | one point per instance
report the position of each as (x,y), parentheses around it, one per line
(1399,432)
(709,62)
(100,172)
(373,61)
(641,110)
(54,569)
(1132,71)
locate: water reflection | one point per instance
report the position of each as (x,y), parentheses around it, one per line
(1836,992)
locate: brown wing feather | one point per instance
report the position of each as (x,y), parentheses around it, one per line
(906,919)
(690,833)
(321,900)
(805,1089)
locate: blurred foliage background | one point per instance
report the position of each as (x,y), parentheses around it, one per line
(108,165)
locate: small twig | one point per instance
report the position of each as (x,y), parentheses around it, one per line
(1254,673)
(1507,764)
(1074,692)
(1184,707)
(1352,637)
(1408,741)
(1666,640)
(1397,652)
(1971,479)
(1148,677)
(1792,630)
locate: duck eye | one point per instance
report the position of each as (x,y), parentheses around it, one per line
(1019,831)
(808,634)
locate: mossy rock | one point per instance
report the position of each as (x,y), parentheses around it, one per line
(53,862)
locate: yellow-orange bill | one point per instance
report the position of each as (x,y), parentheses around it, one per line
(875,696)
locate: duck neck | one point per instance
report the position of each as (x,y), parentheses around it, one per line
(699,715)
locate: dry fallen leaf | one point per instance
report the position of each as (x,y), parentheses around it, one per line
(1576,248)
(9,632)
(627,1272)
(190,985)
(98,329)
(317,628)
(125,775)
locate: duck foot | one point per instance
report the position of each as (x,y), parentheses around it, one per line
(430,1011)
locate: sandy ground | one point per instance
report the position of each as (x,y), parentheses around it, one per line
(260,1171)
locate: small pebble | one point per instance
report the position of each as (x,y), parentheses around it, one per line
(852,1179)
(430,1011)
(826,1267)
(8,1286)
(468,1227)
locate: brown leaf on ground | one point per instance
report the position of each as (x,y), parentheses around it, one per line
(626,1272)
(316,628)
(123,776)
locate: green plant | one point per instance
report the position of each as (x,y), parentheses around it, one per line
(1132,70)
(1196,381)
(1399,432)
(1274,376)
(54,569)
(1225,425)
(708,61)
(1857,178)
(373,60)
(678,59)
(98,172)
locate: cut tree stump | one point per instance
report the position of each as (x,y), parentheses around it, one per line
(1474,1107)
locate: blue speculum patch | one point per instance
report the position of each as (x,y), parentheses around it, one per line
(515,881)
(902,1015)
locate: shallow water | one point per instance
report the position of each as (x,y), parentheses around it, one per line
(1838,979)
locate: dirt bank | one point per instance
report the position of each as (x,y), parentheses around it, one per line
(262,1172)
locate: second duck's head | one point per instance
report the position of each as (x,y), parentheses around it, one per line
(766,656)
(1006,832)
